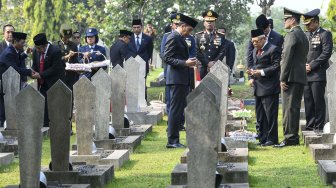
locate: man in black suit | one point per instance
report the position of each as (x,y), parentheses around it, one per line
(47,61)
(293,76)
(271,36)
(176,55)
(69,53)
(264,76)
(142,45)
(320,49)
(76,38)
(118,51)
(11,56)
(8,30)
(230,51)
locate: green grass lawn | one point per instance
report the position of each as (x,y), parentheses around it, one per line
(151,163)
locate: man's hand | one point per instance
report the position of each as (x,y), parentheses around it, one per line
(283,86)
(251,82)
(35,75)
(210,64)
(249,72)
(71,53)
(29,50)
(191,62)
(308,68)
(256,73)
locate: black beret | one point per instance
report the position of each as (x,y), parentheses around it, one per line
(40,39)
(262,22)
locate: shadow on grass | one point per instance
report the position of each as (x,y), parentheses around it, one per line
(129,164)
(252,160)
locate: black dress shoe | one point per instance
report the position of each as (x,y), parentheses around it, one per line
(286,143)
(268,143)
(178,145)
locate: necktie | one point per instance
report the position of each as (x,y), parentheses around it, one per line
(40,80)
(137,42)
(211,37)
(259,52)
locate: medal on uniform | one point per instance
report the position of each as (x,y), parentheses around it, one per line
(202,42)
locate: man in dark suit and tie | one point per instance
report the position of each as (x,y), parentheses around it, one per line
(176,56)
(320,49)
(47,61)
(293,76)
(8,30)
(271,36)
(264,76)
(119,50)
(230,49)
(142,45)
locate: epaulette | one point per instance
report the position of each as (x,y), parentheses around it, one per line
(220,33)
(201,32)
(168,32)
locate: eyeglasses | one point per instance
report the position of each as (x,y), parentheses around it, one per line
(76,37)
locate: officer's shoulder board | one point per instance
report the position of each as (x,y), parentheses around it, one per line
(201,32)
(220,33)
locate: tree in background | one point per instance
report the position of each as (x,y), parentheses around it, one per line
(331,23)
(44,16)
(265,6)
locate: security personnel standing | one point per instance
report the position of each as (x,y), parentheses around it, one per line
(119,50)
(69,55)
(176,55)
(320,49)
(209,43)
(293,76)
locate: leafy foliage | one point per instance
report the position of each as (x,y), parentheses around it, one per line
(331,23)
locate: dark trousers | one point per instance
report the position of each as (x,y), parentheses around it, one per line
(43,90)
(267,117)
(2,110)
(315,106)
(178,94)
(291,103)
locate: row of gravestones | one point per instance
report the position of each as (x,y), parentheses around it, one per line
(208,161)
(91,165)
(322,146)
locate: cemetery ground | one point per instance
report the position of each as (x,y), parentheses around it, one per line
(151,163)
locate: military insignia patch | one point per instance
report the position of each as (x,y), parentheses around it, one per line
(209,13)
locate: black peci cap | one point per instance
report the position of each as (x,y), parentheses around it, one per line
(257,33)
(19,35)
(40,39)
(188,20)
(262,22)
(125,32)
(136,22)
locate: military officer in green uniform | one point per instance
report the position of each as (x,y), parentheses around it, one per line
(209,43)
(69,53)
(293,76)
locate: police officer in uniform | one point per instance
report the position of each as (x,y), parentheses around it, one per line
(69,53)
(293,76)
(176,55)
(119,50)
(320,49)
(209,43)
